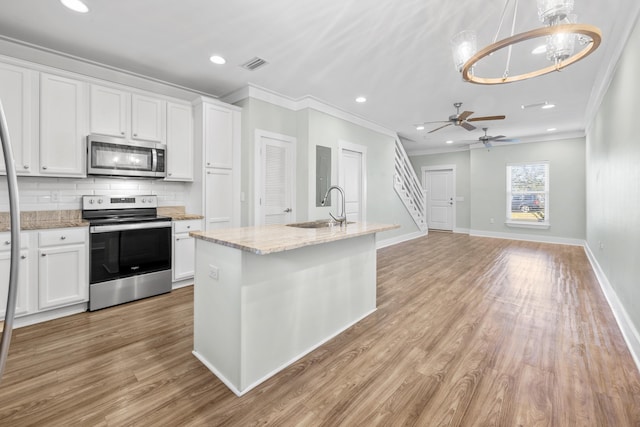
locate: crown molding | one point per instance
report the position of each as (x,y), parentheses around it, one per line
(310,102)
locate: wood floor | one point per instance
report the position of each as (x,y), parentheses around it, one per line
(469,331)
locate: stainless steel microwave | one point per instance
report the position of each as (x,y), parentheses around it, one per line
(111,156)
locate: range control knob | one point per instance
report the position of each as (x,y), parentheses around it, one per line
(144,200)
(91,201)
(100,201)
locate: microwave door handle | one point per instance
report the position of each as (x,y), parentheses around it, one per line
(154,160)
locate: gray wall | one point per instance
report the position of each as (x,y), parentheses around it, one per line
(613,182)
(481,179)
(461,159)
(312,128)
(566,191)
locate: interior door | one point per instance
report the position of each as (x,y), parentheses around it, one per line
(276,195)
(352,181)
(439,186)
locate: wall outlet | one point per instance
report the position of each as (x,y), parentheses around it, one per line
(601,245)
(491,221)
(214,273)
(55,196)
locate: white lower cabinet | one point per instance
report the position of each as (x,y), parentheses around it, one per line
(23,305)
(183,254)
(62,267)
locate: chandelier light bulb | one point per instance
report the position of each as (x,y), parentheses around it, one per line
(464,46)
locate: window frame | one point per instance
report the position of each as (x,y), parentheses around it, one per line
(510,222)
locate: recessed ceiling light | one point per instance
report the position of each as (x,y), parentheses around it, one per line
(449,142)
(219,60)
(361,99)
(540,49)
(547,105)
(551,129)
(420,127)
(75,5)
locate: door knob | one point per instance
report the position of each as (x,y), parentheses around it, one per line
(287,210)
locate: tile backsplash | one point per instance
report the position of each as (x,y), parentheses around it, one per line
(40,194)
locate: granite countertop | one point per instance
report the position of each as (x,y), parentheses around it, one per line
(269,239)
(39,220)
(177,213)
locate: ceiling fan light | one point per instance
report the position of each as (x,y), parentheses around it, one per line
(464,46)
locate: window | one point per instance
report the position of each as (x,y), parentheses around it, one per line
(527,194)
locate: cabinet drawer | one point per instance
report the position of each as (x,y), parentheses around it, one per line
(5,241)
(62,236)
(187,226)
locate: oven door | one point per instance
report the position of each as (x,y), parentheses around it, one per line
(127,250)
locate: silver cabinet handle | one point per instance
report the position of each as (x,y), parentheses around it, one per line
(44,167)
(135,134)
(26,166)
(7,242)
(188,226)
(63,237)
(121,133)
(288,210)
(43,255)
(23,257)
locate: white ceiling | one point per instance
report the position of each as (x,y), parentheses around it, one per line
(394,52)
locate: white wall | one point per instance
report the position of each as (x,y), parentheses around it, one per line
(312,127)
(613,192)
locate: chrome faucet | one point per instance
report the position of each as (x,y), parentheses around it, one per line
(342,219)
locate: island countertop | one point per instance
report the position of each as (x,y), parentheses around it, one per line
(267,239)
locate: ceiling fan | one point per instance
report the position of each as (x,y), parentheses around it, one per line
(486,139)
(461,119)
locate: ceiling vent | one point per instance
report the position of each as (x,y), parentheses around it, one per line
(254,63)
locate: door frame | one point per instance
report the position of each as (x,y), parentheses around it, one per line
(358,148)
(425,172)
(257,167)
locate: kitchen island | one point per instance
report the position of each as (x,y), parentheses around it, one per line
(266,296)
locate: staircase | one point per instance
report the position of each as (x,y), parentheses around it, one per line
(408,187)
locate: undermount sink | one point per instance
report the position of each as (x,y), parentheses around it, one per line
(321,223)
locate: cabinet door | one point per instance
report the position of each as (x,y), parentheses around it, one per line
(219,199)
(62,276)
(148,118)
(18,103)
(179,143)
(22,303)
(218,137)
(184,256)
(63,126)
(109,111)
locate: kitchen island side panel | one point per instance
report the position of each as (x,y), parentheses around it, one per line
(265,311)
(296,300)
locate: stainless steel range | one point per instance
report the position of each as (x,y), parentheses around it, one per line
(130,249)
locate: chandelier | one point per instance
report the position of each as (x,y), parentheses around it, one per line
(560,31)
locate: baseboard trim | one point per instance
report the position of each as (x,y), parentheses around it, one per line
(461,230)
(44,316)
(528,237)
(629,332)
(399,239)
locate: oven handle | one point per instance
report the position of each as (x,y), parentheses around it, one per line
(124,227)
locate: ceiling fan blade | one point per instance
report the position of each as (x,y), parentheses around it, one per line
(463,116)
(493,138)
(438,128)
(437,121)
(467,125)
(477,119)
(509,140)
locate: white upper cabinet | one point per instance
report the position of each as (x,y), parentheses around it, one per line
(109,111)
(218,136)
(119,113)
(179,142)
(18,93)
(63,126)
(148,118)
